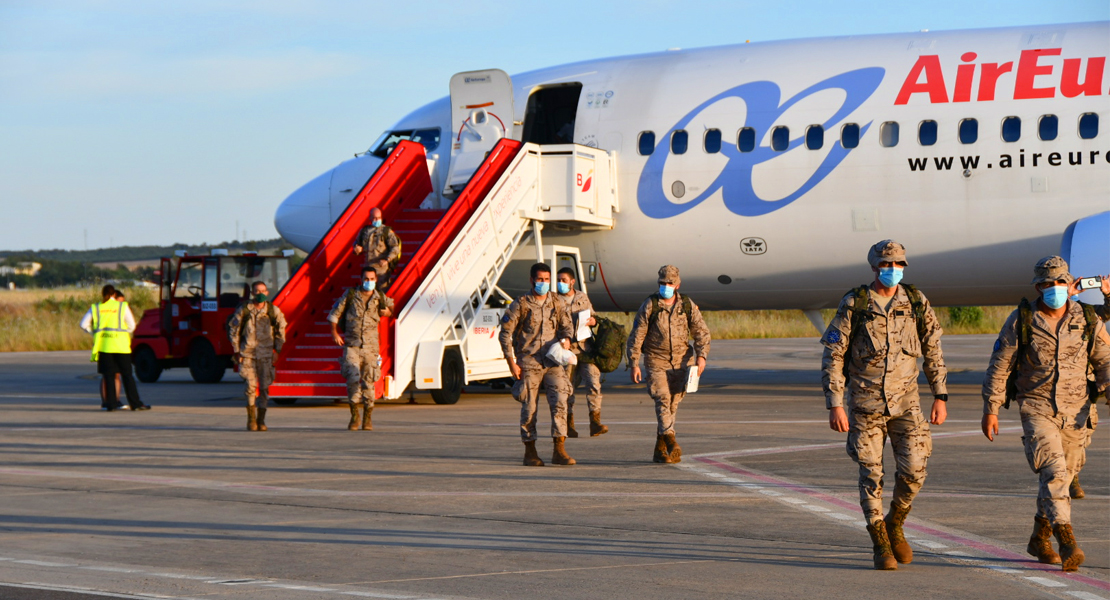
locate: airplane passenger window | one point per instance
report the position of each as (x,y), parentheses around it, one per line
(849,135)
(780,138)
(745,140)
(1088,125)
(1048,127)
(713,141)
(1011,129)
(969,131)
(815,137)
(680,140)
(927,133)
(647,143)
(888,134)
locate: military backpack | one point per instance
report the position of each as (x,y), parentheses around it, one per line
(687,307)
(861,299)
(352,296)
(237,334)
(607,348)
(1025,339)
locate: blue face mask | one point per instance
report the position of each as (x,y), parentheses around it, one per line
(542,287)
(564,288)
(376,222)
(1055,296)
(368,286)
(890,276)
(666,291)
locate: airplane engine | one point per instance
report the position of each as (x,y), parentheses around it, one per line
(1086,247)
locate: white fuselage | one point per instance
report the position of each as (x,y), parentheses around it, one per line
(972,230)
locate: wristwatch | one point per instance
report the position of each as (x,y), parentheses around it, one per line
(942,397)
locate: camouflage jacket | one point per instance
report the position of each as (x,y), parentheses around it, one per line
(665,339)
(378,243)
(251,331)
(529,327)
(882,361)
(363,315)
(574,305)
(1052,375)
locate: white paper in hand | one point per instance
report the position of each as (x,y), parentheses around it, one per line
(692,379)
(584,332)
(561,355)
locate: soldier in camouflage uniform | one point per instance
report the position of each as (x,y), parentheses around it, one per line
(665,325)
(361,309)
(1048,378)
(1075,490)
(871,351)
(381,247)
(533,323)
(586,373)
(257,332)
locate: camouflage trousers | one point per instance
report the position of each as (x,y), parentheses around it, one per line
(588,376)
(667,387)
(527,391)
(1056,448)
(258,373)
(912,442)
(359,366)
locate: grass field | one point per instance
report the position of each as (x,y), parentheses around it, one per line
(45,320)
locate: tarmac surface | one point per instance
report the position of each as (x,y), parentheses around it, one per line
(182,502)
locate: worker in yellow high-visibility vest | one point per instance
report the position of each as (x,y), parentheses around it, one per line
(111,324)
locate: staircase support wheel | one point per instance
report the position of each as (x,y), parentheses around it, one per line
(451,378)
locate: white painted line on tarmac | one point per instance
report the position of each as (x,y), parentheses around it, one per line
(930,544)
(1085,595)
(89,591)
(808,447)
(1046,582)
(41,563)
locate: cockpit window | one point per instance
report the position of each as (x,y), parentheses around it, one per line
(390,139)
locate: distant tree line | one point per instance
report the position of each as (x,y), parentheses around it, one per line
(130,253)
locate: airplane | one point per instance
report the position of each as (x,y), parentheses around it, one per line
(765,171)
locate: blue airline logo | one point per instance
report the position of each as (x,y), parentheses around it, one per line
(762,99)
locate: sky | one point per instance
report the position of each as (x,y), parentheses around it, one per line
(130,122)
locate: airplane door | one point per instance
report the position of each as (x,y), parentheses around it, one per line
(481,114)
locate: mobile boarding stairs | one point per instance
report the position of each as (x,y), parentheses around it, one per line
(447,302)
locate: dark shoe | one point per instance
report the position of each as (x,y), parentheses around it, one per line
(531,457)
(674,451)
(901,549)
(570,425)
(366,424)
(355,419)
(883,555)
(1040,543)
(252,418)
(596,428)
(262,419)
(1071,556)
(1075,490)
(660,455)
(141,407)
(559,455)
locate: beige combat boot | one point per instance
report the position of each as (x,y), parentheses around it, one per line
(252,418)
(674,451)
(367,425)
(262,419)
(1075,490)
(1071,556)
(883,555)
(571,432)
(1040,543)
(352,425)
(660,455)
(559,455)
(596,428)
(901,549)
(531,457)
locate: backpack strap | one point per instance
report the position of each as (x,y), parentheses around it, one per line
(917,304)
(860,301)
(687,306)
(1024,340)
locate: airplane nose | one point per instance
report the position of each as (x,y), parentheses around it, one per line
(304,217)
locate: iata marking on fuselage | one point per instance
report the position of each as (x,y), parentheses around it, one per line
(762,99)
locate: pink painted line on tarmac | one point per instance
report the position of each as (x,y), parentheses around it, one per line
(985,547)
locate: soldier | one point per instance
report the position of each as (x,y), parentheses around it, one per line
(662,331)
(1103,311)
(381,246)
(871,350)
(533,323)
(257,332)
(587,373)
(1041,359)
(358,313)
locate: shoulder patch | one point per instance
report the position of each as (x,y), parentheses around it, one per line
(833,336)
(997,345)
(505,317)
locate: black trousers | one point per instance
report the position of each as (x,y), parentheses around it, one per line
(108,364)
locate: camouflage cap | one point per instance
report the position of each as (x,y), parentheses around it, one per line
(887,251)
(668,274)
(1051,268)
